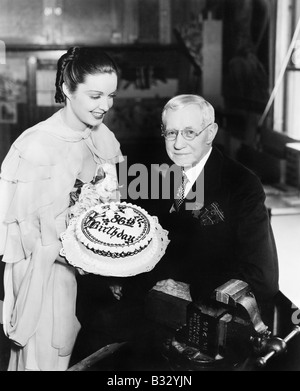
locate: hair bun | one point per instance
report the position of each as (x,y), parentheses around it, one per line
(72,53)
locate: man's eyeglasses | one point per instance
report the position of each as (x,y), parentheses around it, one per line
(187,134)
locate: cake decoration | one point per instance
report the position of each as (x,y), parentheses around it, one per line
(118,228)
(114,239)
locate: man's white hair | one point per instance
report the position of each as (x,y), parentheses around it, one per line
(180,101)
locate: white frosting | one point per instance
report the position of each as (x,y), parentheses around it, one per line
(115,229)
(79,256)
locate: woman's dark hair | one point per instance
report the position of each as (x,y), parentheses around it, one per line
(76,64)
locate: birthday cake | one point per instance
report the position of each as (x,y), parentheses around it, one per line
(114,239)
(115,230)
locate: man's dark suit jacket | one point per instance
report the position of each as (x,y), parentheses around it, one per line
(229,237)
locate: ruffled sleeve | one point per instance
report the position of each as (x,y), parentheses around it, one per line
(105,146)
(26,206)
(34,191)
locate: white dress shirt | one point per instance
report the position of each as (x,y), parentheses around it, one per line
(193,172)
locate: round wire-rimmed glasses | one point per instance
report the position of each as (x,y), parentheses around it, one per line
(188,133)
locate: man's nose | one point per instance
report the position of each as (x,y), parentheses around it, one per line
(179,141)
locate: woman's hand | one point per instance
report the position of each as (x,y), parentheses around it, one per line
(116,290)
(81,271)
(61,259)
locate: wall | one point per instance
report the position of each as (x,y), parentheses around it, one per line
(211,47)
(155,63)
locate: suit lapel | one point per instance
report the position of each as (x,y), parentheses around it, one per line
(212,176)
(208,182)
(207,185)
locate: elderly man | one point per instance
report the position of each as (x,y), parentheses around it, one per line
(218,225)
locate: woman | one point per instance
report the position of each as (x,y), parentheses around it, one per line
(37,177)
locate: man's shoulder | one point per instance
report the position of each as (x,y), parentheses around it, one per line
(236,176)
(235,169)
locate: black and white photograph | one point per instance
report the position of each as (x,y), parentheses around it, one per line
(150,188)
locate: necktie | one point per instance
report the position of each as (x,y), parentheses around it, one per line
(180,191)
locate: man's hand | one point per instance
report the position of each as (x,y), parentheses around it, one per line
(174,288)
(116,290)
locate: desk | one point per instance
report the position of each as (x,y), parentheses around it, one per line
(148,349)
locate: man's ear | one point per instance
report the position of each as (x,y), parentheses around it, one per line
(65,90)
(212,132)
